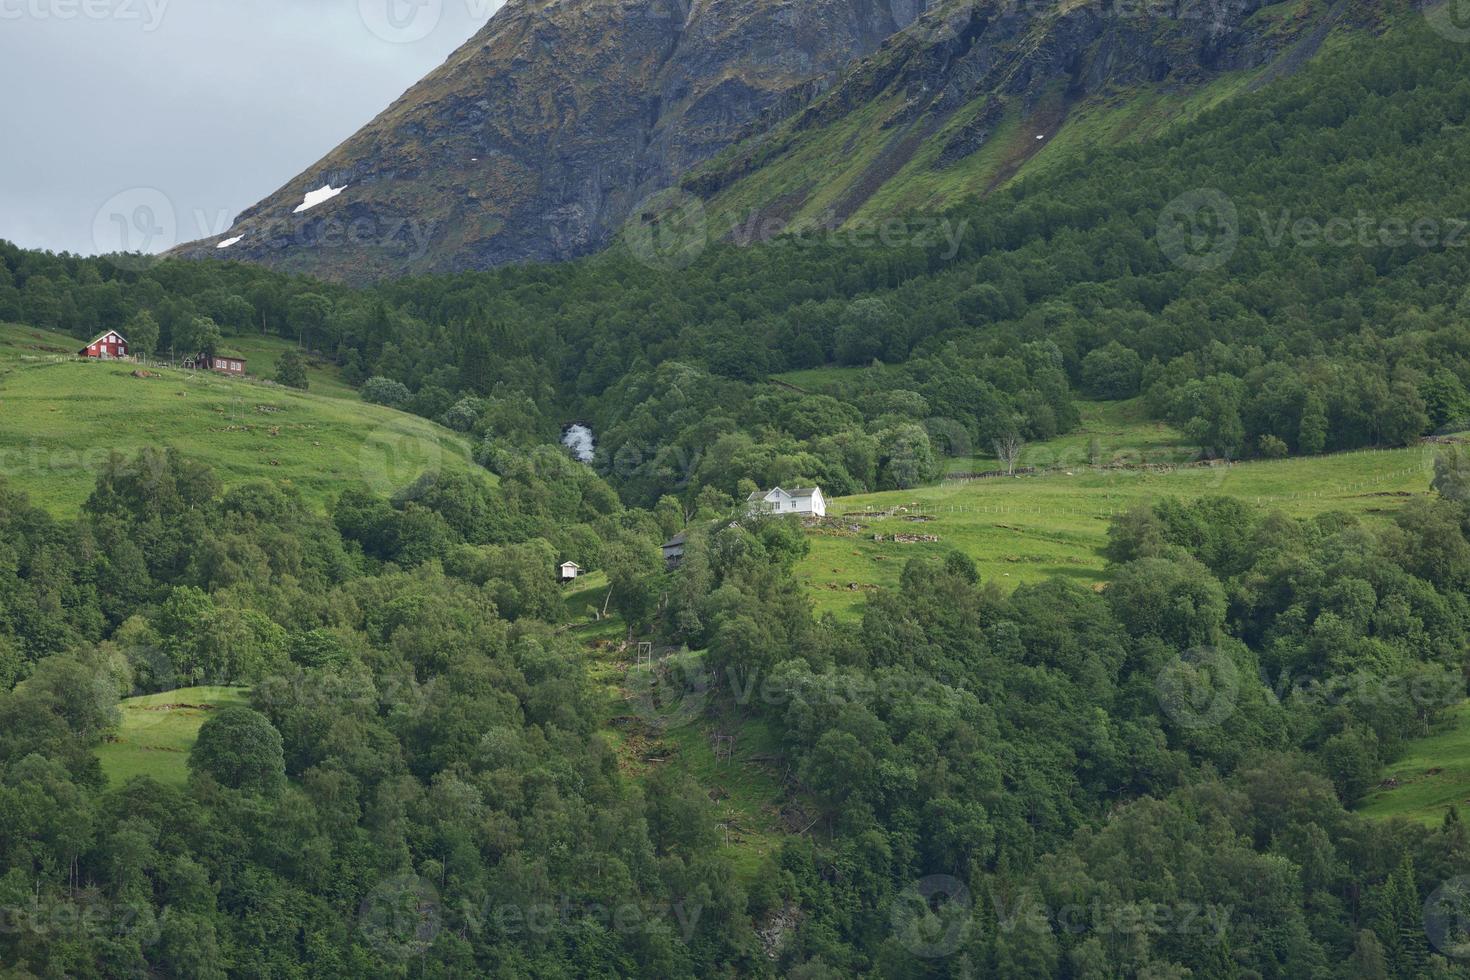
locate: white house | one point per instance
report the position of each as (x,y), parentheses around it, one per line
(569,570)
(807,501)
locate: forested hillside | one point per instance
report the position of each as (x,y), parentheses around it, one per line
(423,783)
(1285,275)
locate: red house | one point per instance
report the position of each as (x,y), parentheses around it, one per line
(108,345)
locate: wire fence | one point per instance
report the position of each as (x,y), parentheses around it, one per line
(1105,508)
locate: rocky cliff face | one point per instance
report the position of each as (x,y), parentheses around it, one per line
(538,138)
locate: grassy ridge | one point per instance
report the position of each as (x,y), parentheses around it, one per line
(158,730)
(61,416)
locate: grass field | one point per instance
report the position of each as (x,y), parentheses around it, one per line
(1029,528)
(1120,433)
(158,730)
(60,417)
(262,352)
(1434,773)
(827,380)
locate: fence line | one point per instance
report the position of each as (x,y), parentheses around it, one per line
(918,509)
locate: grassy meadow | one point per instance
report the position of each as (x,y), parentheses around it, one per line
(1432,774)
(61,416)
(1030,528)
(158,730)
(261,353)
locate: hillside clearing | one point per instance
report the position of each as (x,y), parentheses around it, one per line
(158,730)
(1030,528)
(61,417)
(1432,775)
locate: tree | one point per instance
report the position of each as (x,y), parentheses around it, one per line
(1271,447)
(307,315)
(142,332)
(1452,473)
(1399,922)
(474,361)
(384,391)
(463,414)
(1312,431)
(199,335)
(1209,412)
(907,458)
(236,313)
(239,748)
(631,565)
(1367,961)
(1112,371)
(868,329)
(1008,450)
(291,370)
(1178,601)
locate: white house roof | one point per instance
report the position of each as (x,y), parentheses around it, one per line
(570,564)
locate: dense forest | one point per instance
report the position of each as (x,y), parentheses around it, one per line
(420,786)
(1152,779)
(1286,274)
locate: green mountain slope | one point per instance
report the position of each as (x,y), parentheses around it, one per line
(975,95)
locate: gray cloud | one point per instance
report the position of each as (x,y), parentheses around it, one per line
(208,105)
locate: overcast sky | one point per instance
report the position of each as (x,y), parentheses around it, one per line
(198,107)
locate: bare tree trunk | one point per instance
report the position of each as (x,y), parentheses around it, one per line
(1008,451)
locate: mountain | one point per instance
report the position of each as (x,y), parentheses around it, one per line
(561,119)
(975,93)
(537,138)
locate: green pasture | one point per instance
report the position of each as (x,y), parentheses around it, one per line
(158,730)
(1029,528)
(61,416)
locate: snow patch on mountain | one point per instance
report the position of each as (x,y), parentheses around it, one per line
(325,193)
